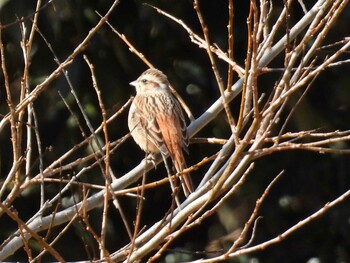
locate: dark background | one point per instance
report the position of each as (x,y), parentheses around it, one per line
(309,182)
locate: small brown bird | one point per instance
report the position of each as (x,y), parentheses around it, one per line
(156,121)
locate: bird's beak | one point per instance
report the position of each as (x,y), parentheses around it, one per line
(133,83)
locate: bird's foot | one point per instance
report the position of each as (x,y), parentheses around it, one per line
(151,158)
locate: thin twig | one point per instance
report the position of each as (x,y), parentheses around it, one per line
(253,217)
(215,69)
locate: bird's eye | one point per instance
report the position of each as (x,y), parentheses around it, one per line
(144,81)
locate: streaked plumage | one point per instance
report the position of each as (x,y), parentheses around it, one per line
(157,123)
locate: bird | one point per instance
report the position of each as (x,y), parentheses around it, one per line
(157,124)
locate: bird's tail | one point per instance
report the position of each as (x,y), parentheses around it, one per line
(185,178)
